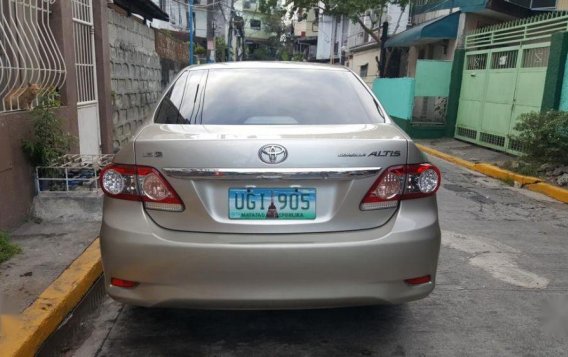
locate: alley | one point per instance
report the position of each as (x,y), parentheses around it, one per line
(502,291)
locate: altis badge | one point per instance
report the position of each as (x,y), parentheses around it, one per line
(380,153)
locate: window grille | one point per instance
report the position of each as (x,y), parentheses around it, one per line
(492,139)
(536,57)
(31,63)
(467,133)
(364,71)
(476,62)
(504,59)
(84,51)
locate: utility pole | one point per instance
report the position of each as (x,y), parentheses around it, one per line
(210,32)
(332,40)
(230,34)
(191,34)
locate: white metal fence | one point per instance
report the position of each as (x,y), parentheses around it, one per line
(31,63)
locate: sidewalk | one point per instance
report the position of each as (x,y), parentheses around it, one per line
(467,151)
(490,163)
(58,263)
(48,248)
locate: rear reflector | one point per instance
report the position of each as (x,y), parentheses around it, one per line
(140,183)
(402,183)
(419,281)
(123,283)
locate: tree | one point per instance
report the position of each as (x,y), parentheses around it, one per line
(276,46)
(356,10)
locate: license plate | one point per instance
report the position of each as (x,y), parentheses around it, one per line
(272,203)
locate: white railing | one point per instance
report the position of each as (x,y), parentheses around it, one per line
(31,63)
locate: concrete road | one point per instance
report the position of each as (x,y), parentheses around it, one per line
(502,291)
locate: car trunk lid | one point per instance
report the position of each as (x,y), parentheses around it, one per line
(336,163)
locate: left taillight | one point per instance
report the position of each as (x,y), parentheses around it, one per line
(140,183)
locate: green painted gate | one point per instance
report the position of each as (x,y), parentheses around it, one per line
(504,76)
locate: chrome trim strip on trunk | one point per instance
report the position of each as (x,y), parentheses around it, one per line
(273,174)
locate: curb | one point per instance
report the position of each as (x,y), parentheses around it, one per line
(531,183)
(24,334)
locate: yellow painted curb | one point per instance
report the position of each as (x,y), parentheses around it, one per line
(550,190)
(504,175)
(23,335)
(532,183)
(450,158)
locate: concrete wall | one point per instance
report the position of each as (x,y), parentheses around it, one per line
(396,95)
(135,75)
(16,173)
(307,26)
(173,55)
(367,57)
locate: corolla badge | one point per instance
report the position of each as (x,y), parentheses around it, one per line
(273,154)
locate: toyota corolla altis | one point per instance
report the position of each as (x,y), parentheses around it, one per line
(267,186)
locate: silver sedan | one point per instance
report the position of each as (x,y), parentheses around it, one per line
(269,186)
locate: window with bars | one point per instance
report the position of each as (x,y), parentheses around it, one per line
(504,59)
(255,24)
(536,57)
(364,71)
(83,30)
(31,63)
(477,62)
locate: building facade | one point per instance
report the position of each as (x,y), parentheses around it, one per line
(53,45)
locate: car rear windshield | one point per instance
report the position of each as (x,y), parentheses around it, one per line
(268,97)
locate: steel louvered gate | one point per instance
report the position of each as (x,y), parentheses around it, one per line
(497,87)
(86,71)
(504,76)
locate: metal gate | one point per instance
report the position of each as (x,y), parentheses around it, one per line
(87,100)
(504,77)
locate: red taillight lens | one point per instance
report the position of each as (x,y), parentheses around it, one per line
(121,283)
(419,281)
(401,183)
(140,183)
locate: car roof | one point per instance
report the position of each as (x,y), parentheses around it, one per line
(269,65)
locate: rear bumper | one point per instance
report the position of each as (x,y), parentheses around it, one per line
(205,270)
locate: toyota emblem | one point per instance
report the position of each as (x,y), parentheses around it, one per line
(272,154)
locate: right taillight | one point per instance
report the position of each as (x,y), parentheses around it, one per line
(140,183)
(402,183)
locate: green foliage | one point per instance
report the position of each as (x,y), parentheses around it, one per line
(49,139)
(261,54)
(220,50)
(284,55)
(349,8)
(544,137)
(200,50)
(298,57)
(353,9)
(7,249)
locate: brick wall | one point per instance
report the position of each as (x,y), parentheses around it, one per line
(135,75)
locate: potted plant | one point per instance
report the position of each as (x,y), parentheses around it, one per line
(49,139)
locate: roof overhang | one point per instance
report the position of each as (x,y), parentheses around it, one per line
(145,8)
(441,28)
(365,47)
